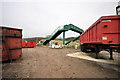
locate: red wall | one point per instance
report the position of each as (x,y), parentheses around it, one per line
(11,43)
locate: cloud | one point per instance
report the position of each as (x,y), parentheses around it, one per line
(42,18)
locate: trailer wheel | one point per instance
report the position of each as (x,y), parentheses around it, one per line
(92,50)
(83,48)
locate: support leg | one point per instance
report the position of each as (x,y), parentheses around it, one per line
(97,55)
(63,38)
(111,54)
(97,52)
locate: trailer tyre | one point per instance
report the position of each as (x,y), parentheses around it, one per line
(92,50)
(83,48)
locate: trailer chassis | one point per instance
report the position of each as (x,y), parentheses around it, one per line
(91,47)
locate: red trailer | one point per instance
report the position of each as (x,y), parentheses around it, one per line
(103,34)
(10,43)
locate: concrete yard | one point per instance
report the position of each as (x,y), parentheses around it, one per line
(44,62)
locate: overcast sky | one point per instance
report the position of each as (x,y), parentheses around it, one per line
(42,17)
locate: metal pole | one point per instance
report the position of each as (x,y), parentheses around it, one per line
(111,54)
(63,38)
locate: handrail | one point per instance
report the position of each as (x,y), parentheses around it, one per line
(60,27)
